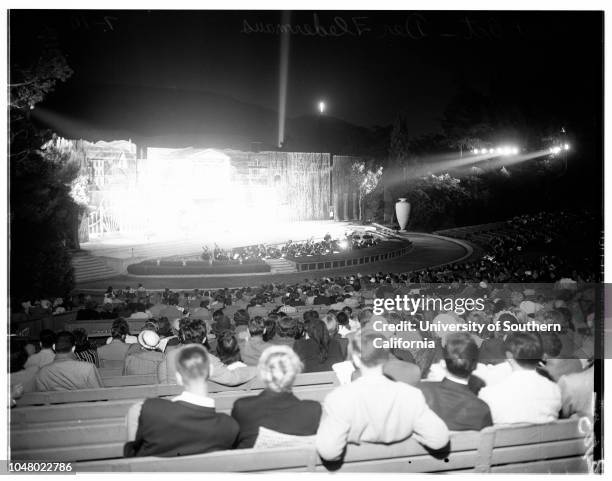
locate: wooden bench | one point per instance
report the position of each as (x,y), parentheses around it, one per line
(157,390)
(98,430)
(556,447)
(102,327)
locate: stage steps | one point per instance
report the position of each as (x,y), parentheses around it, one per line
(281,266)
(88,268)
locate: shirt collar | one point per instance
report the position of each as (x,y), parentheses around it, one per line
(191,398)
(456,379)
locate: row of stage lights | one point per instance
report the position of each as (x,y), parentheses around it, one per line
(558,148)
(505,150)
(515,151)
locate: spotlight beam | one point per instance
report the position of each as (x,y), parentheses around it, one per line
(283,76)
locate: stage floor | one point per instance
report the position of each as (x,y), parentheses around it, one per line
(126,247)
(428,251)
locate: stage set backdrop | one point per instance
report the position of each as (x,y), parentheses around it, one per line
(130,189)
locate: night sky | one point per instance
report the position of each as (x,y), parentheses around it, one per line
(368,66)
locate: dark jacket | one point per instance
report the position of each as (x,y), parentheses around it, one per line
(282,412)
(308,350)
(456,405)
(492,351)
(178,428)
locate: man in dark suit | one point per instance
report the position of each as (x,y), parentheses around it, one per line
(452,399)
(187,424)
(276,408)
(493,351)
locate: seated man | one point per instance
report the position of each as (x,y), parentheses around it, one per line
(276,408)
(525,396)
(187,424)
(578,393)
(112,355)
(555,364)
(66,372)
(46,354)
(253,347)
(145,357)
(375,409)
(193,331)
(452,399)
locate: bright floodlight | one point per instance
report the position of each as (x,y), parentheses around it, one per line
(566,146)
(515,151)
(343,244)
(491,151)
(322,107)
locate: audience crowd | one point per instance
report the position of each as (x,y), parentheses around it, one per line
(468,380)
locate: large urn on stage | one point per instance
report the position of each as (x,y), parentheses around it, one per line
(402,211)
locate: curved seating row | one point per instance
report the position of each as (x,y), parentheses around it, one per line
(550,448)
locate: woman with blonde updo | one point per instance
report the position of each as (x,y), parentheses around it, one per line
(276,412)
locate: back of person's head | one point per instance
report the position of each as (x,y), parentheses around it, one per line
(193,331)
(150,325)
(278,367)
(331,323)
(64,342)
(567,316)
(553,317)
(241,317)
(120,329)
(256,326)
(364,317)
(342,318)
(217,315)
(47,338)
(525,348)
(18,356)
(309,316)
(204,303)
(551,344)
(269,328)
(80,339)
(164,329)
(317,332)
(460,354)
(287,327)
(227,347)
(363,350)
(192,364)
(220,325)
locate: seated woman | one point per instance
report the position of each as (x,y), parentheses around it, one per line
(83,349)
(228,350)
(318,352)
(168,340)
(276,415)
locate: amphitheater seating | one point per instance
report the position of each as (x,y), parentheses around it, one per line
(32,327)
(101,328)
(98,430)
(158,390)
(555,447)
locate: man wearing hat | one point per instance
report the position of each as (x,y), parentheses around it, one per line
(146,357)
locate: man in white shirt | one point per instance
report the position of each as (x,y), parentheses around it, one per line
(46,355)
(375,409)
(524,396)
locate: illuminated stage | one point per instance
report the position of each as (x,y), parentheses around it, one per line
(164,244)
